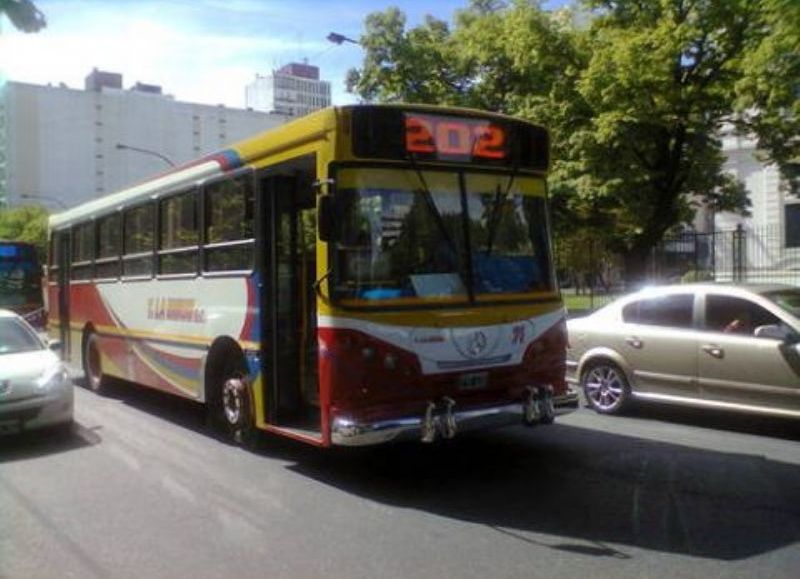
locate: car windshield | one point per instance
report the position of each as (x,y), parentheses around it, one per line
(788,299)
(443,236)
(15,337)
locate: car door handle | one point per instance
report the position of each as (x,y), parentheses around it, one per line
(634,342)
(713,350)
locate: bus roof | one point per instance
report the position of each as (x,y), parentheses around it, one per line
(298,131)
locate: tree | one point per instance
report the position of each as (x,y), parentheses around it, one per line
(28,224)
(23,15)
(660,86)
(636,101)
(769,89)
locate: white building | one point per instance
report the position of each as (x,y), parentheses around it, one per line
(59,146)
(294,89)
(773,230)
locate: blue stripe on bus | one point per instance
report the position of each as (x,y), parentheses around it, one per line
(228,159)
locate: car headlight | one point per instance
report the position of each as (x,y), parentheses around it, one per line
(53,378)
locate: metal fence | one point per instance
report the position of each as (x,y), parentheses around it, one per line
(755,255)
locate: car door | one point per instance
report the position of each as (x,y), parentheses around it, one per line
(657,340)
(735,366)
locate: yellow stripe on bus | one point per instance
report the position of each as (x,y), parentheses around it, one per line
(180,339)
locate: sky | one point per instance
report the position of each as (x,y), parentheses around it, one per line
(203,51)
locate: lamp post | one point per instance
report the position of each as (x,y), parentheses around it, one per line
(337,38)
(164,158)
(44,198)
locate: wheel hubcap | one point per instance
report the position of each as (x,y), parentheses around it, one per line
(604,387)
(232,392)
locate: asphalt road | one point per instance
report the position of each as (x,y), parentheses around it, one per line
(142,490)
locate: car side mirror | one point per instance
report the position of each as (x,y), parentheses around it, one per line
(326,222)
(773,331)
(54,345)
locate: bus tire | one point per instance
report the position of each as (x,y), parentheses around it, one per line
(231,404)
(92,366)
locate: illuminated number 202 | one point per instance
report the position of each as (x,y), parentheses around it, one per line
(454,137)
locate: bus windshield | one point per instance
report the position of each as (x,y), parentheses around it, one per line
(449,236)
(20,278)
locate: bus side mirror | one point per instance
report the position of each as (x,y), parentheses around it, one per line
(326,225)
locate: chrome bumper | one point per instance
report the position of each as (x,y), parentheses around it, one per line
(347,432)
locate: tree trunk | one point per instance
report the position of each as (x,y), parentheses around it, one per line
(636,262)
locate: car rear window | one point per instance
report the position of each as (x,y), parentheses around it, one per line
(16,338)
(674,311)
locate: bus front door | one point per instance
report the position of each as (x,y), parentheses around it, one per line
(292,399)
(62,246)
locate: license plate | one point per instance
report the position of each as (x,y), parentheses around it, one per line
(473,381)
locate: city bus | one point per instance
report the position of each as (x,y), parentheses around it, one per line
(21,288)
(363,274)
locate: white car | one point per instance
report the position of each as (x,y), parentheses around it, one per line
(35,386)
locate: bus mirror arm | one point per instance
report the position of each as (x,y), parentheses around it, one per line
(325,218)
(317,285)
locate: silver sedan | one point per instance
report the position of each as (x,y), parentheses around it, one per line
(733,347)
(35,387)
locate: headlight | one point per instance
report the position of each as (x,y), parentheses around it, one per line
(53,378)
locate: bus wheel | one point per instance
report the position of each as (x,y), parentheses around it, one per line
(92,368)
(234,408)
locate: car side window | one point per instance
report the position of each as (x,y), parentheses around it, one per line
(673,311)
(732,315)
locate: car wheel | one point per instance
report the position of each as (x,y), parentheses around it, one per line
(605,387)
(92,368)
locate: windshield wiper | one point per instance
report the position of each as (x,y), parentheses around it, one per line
(495,214)
(437,216)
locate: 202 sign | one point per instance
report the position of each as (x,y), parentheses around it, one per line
(430,134)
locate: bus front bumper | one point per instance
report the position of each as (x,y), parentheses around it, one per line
(446,423)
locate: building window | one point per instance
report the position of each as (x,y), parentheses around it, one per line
(792,220)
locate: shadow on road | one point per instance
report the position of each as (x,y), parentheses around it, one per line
(591,487)
(41,443)
(586,485)
(774,427)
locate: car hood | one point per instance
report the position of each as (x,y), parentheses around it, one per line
(19,373)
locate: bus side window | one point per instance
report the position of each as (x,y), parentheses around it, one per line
(107,247)
(229,228)
(138,236)
(82,251)
(178,235)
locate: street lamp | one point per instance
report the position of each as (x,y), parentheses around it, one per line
(44,198)
(164,158)
(337,38)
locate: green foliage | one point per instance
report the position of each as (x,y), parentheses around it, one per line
(769,89)
(696,275)
(636,100)
(26,223)
(23,15)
